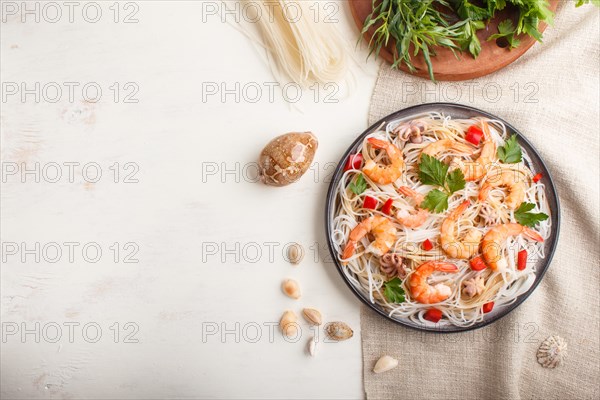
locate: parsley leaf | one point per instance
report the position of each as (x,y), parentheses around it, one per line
(432,171)
(582,2)
(436,201)
(468,10)
(526,218)
(359,185)
(507,31)
(510,153)
(455,181)
(393,291)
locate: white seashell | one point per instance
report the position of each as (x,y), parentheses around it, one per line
(312,346)
(289,324)
(291,289)
(313,316)
(385,363)
(338,331)
(552,351)
(295,253)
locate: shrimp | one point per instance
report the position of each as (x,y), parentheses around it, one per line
(382,229)
(475,170)
(450,243)
(385,174)
(441,145)
(491,245)
(422,291)
(509,179)
(416,219)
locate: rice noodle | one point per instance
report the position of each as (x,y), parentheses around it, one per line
(299,45)
(503,287)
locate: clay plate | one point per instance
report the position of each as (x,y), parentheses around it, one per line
(537,164)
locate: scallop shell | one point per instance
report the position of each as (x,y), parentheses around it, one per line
(291,288)
(552,351)
(313,316)
(338,331)
(385,363)
(311,347)
(289,324)
(295,253)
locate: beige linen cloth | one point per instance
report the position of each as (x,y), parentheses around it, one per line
(557,109)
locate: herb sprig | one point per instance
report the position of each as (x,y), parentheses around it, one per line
(421,26)
(434,172)
(526,218)
(393,291)
(359,185)
(511,152)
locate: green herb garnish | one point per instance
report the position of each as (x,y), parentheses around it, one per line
(434,172)
(526,218)
(507,31)
(436,201)
(421,26)
(510,153)
(393,291)
(359,185)
(582,2)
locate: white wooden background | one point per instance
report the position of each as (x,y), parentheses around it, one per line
(177,144)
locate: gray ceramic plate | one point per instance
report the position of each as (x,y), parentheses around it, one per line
(455,111)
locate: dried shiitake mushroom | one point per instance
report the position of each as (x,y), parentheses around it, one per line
(286,158)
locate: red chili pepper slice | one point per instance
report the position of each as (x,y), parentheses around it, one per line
(427,245)
(433,314)
(387,207)
(474,135)
(477,264)
(522,260)
(487,307)
(370,202)
(354,162)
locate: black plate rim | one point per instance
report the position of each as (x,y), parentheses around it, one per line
(556,217)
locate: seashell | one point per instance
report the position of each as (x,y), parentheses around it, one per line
(291,289)
(385,363)
(295,253)
(552,351)
(286,158)
(338,331)
(313,316)
(311,346)
(289,323)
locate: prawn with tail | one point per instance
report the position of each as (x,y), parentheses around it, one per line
(442,145)
(385,174)
(421,290)
(512,180)
(381,228)
(451,245)
(416,218)
(493,240)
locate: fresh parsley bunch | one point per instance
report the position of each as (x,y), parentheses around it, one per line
(421,26)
